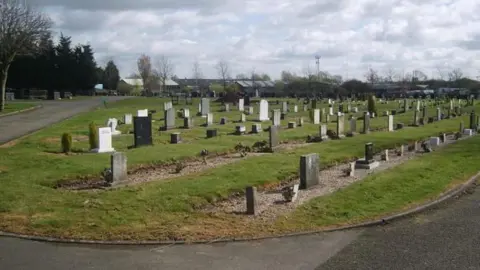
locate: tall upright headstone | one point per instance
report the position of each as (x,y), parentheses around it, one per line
(366,123)
(316,116)
(241,103)
(186,112)
(205,104)
(209,119)
(169,119)
(353,126)
(273,137)
(142,131)
(340,126)
(118,165)
(405,105)
(473,121)
(284,107)
(439,114)
(263,111)
(323,132)
(390,123)
(309,170)
(276,118)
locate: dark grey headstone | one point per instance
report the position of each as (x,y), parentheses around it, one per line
(223,121)
(369,152)
(175,138)
(142,130)
(309,170)
(251,200)
(211,133)
(273,137)
(187,122)
(473,120)
(366,123)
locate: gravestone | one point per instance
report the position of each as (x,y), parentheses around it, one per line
(142,113)
(256,128)
(118,165)
(104,141)
(200,108)
(390,123)
(385,156)
(462,127)
(56,95)
(250,110)
(142,130)
(283,116)
(323,132)
(355,109)
(316,116)
(240,129)
(434,141)
(473,120)
(276,117)
(226,108)
(295,108)
(366,123)
(340,126)
(241,104)
(243,118)
(468,132)
(205,106)
(292,125)
(175,138)
(209,119)
(167,105)
(367,162)
(223,121)
(187,122)
(169,119)
(9,96)
(305,108)
(300,121)
(263,111)
(330,110)
(415,118)
(284,107)
(353,126)
(309,170)
(273,137)
(128,119)
(113,123)
(439,114)
(424,112)
(251,200)
(186,112)
(405,105)
(211,133)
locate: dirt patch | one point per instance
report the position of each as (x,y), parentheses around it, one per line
(9,144)
(271,204)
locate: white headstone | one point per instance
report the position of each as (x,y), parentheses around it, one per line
(295,108)
(142,113)
(434,141)
(113,123)
(241,103)
(390,123)
(316,116)
(330,110)
(186,112)
(127,119)
(263,111)
(104,141)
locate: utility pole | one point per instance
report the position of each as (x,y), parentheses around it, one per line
(317,61)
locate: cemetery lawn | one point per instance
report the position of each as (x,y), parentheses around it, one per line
(168,209)
(11,107)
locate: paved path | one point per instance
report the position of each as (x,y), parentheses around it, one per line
(14,126)
(446,238)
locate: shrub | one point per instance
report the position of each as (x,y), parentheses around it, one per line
(93,136)
(372,106)
(66,143)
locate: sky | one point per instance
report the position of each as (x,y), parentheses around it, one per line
(268,36)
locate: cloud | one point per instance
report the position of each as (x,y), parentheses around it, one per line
(275,35)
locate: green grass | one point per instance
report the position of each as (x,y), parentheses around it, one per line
(414,181)
(164,209)
(11,107)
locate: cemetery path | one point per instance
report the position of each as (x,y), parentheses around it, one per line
(443,238)
(15,126)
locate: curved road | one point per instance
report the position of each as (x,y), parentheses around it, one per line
(17,125)
(444,238)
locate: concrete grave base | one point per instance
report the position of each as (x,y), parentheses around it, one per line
(363,164)
(104,150)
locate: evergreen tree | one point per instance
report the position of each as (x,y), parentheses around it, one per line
(111,76)
(65,64)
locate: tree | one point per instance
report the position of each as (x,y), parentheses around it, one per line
(21,29)
(86,67)
(223,69)
(372,76)
(144,65)
(455,74)
(111,76)
(288,77)
(390,75)
(163,70)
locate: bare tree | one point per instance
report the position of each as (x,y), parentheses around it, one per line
(372,76)
(144,65)
(441,73)
(164,69)
(455,74)
(390,75)
(21,29)
(223,69)
(197,73)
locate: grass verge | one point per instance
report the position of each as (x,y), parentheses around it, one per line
(11,107)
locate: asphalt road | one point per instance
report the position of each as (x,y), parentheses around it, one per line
(445,238)
(17,125)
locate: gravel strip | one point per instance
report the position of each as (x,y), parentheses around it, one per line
(270,204)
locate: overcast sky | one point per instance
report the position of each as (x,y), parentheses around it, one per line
(274,35)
